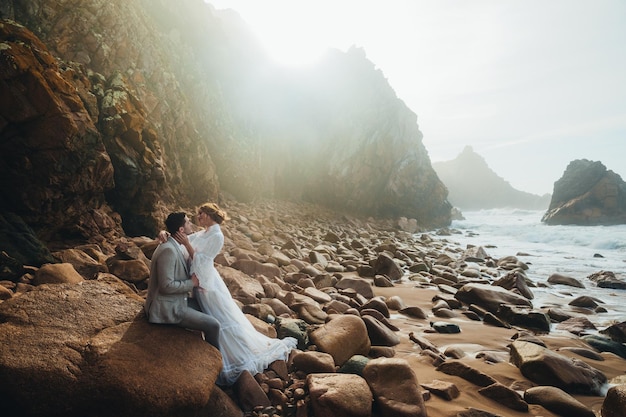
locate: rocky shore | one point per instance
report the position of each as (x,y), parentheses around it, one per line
(391,321)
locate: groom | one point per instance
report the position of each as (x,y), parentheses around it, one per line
(169,285)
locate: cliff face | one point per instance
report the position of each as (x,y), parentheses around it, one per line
(587,194)
(112,112)
(472,185)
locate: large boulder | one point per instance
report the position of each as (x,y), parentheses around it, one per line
(614,404)
(557,401)
(587,194)
(343,336)
(339,395)
(87,349)
(545,367)
(489,297)
(395,387)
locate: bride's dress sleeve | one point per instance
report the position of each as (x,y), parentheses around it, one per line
(206,249)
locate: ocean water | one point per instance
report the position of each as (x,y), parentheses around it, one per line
(576,251)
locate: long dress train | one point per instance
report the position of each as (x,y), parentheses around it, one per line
(241,345)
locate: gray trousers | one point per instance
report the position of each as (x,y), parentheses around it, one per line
(195,319)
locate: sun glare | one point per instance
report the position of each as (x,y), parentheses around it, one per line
(291,49)
(299,35)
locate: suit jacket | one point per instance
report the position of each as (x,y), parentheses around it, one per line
(169,284)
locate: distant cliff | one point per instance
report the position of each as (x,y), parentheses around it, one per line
(113,112)
(587,194)
(472,185)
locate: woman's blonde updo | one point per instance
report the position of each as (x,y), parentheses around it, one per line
(213,211)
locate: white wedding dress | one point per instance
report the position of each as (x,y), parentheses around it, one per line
(242,347)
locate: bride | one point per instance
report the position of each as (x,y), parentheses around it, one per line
(242,347)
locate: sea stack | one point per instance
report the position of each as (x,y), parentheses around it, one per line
(588,194)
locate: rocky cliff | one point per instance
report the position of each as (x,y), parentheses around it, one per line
(112,112)
(473,185)
(587,194)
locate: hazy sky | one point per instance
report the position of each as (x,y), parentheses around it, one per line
(530,84)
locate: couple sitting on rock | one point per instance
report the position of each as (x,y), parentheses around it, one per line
(182,265)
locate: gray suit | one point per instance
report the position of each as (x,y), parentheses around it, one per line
(168,288)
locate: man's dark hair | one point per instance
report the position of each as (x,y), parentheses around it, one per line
(174,221)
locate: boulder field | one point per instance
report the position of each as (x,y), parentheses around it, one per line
(389,323)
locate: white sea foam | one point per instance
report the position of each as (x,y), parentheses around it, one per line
(577,251)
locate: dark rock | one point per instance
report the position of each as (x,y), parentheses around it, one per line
(249,393)
(585,301)
(587,194)
(515,280)
(557,314)
(382,352)
(378,333)
(565,280)
(526,336)
(19,246)
(523,317)
(452,302)
(489,296)
(414,311)
(313,362)
(546,367)
(454,352)
(476,412)
(558,401)
(339,394)
(354,365)
(616,332)
(471,315)
(493,320)
(395,387)
(395,303)
(382,281)
(614,404)
(603,344)
(505,396)
(444,313)
(360,285)
(343,336)
(444,389)
(386,265)
(378,304)
(466,372)
(443,327)
(585,353)
(295,328)
(380,317)
(607,279)
(576,325)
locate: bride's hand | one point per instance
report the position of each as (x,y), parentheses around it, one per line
(162,236)
(181,238)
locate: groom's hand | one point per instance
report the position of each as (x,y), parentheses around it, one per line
(195,281)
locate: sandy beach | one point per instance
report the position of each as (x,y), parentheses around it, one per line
(478,337)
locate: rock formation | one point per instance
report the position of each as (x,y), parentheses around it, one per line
(472,185)
(587,194)
(111,112)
